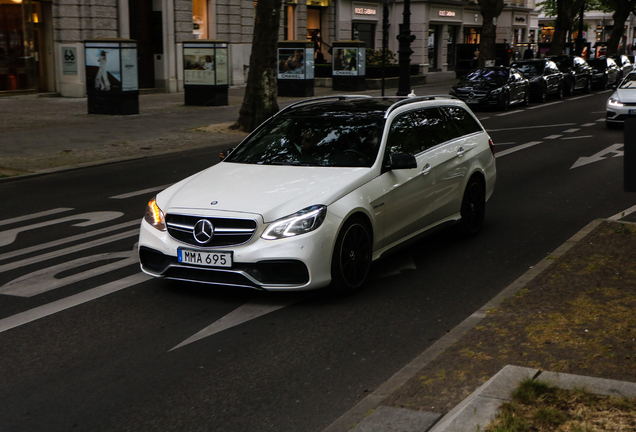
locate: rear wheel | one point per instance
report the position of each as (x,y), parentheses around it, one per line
(473,208)
(351,259)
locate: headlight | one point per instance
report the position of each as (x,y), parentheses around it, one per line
(496,91)
(614,102)
(302,222)
(154,216)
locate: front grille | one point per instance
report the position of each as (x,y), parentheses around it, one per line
(227,232)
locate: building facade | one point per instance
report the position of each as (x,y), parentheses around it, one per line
(42,42)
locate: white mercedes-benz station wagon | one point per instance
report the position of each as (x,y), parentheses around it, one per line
(321,190)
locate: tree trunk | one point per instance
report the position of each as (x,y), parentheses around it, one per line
(260,101)
(623,8)
(566,11)
(490,9)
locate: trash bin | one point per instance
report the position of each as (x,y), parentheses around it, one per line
(205,72)
(296,68)
(348,66)
(112,86)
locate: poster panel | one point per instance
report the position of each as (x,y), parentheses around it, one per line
(69,60)
(345,61)
(198,66)
(291,63)
(221,66)
(129,69)
(103,71)
(310,63)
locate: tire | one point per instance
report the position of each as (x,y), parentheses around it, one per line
(504,104)
(588,86)
(605,83)
(543,96)
(560,92)
(569,88)
(526,98)
(473,208)
(351,258)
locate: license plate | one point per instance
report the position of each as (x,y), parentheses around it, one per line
(207,259)
(472,101)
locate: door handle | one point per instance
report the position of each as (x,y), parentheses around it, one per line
(461,151)
(427,169)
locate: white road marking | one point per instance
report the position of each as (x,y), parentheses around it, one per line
(55,243)
(483,118)
(34,216)
(588,124)
(8,237)
(578,137)
(69,302)
(506,143)
(507,113)
(624,213)
(69,250)
(44,280)
(249,311)
(601,119)
(551,137)
(141,192)
(531,127)
(579,97)
(516,149)
(613,149)
(571,130)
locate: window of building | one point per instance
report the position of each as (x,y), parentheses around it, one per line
(288,21)
(364,32)
(200,19)
(472,35)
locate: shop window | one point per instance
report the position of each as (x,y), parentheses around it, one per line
(200,19)
(364,32)
(472,35)
(288,22)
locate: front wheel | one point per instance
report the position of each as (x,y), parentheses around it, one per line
(560,92)
(351,258)
(569,88)
(473,208)
(504,104)
(588,86)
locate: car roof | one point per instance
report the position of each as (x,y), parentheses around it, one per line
(370,107)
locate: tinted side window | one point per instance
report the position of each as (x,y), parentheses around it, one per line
(465,123)
(417,131)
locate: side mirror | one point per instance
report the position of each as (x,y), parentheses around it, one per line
(400,161)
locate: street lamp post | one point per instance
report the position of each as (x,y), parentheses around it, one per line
(385,38)
(405,37)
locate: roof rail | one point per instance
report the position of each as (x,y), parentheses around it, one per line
(415,99)
(306,101)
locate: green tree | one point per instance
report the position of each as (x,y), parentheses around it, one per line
(622,10)
(260,101)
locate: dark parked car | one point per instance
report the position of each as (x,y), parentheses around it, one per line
(544,76)
(577,74)
(493,86)
(605,72)
(624,64)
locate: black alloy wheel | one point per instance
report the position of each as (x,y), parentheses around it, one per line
(588,86)
(473,208)
(526,98)
(504,103)
(605,84)
(351,259)
(560,92)
(543,94)
(569,87)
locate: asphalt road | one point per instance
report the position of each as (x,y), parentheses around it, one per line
(87,343)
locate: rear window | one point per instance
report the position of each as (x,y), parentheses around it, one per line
(465,123)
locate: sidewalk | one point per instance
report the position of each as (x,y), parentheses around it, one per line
(572,313)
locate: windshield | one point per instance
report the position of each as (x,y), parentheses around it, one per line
(488,75)
(532,69)
(629,82)
(562,63)
(313,141)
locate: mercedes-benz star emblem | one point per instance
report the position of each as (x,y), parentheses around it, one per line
(471,95)
(203,231)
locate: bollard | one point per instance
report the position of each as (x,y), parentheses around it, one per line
(629,153)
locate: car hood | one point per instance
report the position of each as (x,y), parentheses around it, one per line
(625,95)
(271,191)
(479,85)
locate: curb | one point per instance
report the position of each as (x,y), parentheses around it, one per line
(356,420)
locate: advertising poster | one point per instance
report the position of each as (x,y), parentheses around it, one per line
(221,67)
(103,72)
(291,63)
(345,61)
(198,67)
(129,69)
(69,60)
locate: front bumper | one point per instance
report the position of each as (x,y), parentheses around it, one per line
(297,263)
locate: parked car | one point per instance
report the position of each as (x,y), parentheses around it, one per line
(544,76)
(320,191)
(624,65)
(493,86)
(577,74)
(622,103)
(605,72)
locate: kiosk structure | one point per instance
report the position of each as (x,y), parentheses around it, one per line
(295,68)
(348,66)
(205,72)
(112,86)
